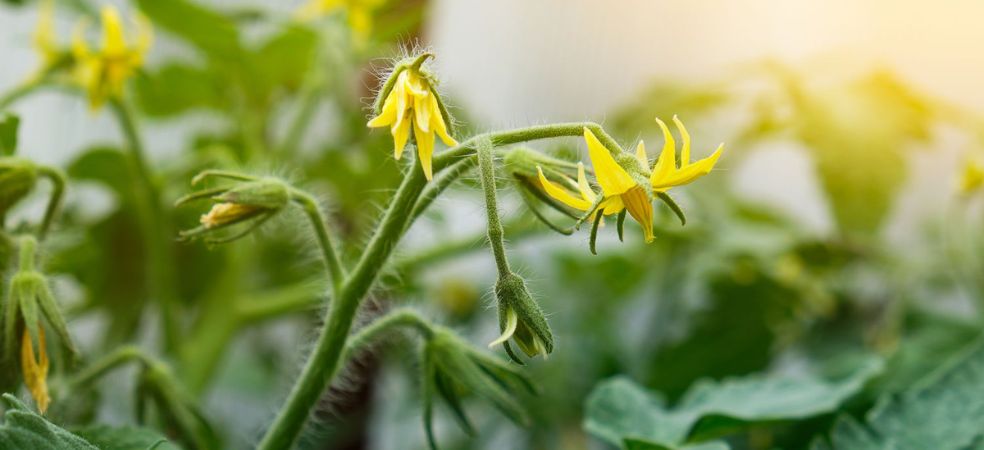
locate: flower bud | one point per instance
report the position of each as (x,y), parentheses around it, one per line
(521,319)
(17,178)
(251,202)
(452,367)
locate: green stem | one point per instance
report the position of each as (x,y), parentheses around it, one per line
(323,362)
(403,317)
(28,248)
(155,226)
(313,211)
(486,166)
(107,363)
(58,189)
(441,183)
(21,91)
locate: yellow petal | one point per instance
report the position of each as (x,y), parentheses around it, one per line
(402,102)
(44,34)
(560,194)
(666,163)
(437,121)
(415,83)
(387,115)
(641,155)
(114,42)
(145,35)
(422,114)
(425,149)
(360,19)
(80,49)
(401,132)
(582,185)
(641,209)
(612,178)
(691,172)
(685,136)
(612,205)
(36,371)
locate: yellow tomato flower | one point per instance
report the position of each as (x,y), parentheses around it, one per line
(103,72)
(972,178)
(359,13)
(412,103)
(35,371)
(620,189)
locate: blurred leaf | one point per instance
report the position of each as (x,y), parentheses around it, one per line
(8,133)
(664,99)
(107,166)
(285,59)
(176,88)
(125,438)
(24,430)
(945,411)
(620,409)
(858,135)
(204,28)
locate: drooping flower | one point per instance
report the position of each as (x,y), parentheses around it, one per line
(250,202)
(412,103)
(359,13)
(623,184)
(104,71)
(35,371)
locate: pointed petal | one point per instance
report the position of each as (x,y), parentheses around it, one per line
(612,178)
(694,171)
(641,155)
(437,121)
(685,136)
(611,205)
(35,371)
(639,205)
(113,40)
(400,132)
(425,150)
(582,184)
(666,163)
(388,113)
(422,114)
(512,321)
(561,194)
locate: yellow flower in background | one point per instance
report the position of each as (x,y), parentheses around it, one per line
(103,72)
(620,189)
(359,13)
(412,104)
(665,174)
(35,371)
(972,178)
(45,41)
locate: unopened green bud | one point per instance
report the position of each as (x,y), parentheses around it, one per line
(452,368)
(521,319)
(251,202)
(17,178)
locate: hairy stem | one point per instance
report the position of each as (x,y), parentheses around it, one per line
(323,362)
(403,317)
(313,211)
(486,165)
(57,190)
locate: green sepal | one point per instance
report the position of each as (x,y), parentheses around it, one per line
(9,123)
(673,206)
(594,233)
(620,224)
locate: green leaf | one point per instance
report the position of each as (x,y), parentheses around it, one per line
(24,430)
(125,438)
(8,133)
(619,409)
(945,411)
(105,165)
(209,31)
(285,59)
(177,88)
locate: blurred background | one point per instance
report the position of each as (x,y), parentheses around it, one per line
(833,229)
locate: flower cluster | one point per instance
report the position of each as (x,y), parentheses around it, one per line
(103,71)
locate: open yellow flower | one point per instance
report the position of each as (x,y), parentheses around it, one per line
(412,104)
(35,371)
(620,189)
(103,72)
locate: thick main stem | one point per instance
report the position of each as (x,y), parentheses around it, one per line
(324,360)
